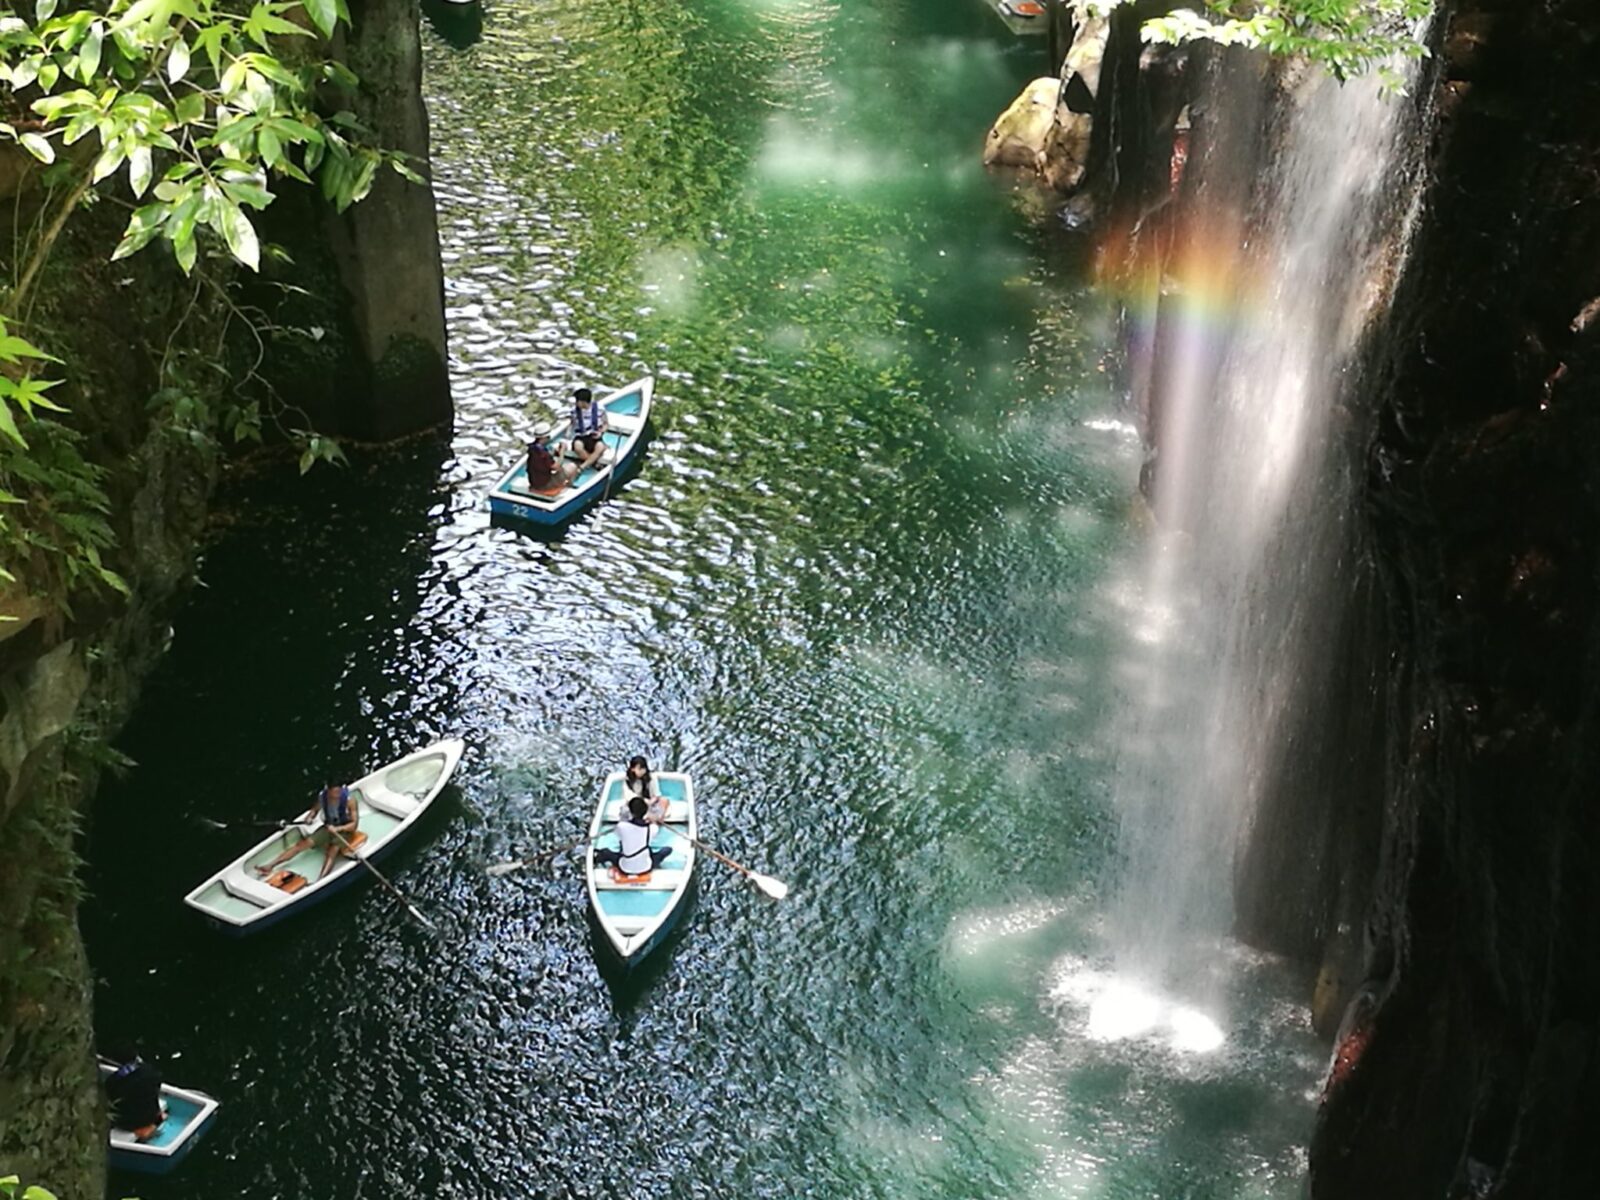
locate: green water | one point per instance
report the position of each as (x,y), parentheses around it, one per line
(863,588)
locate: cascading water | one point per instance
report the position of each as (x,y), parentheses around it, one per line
(1284,254)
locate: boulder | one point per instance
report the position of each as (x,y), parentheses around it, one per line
(1018,138)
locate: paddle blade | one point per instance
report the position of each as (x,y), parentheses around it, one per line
(776,888)
(505,868)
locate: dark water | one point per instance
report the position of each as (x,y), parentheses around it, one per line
(859,589)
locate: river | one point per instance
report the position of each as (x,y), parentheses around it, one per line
(863,588)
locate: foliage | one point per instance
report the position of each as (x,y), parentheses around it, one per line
(196,99)
(202,108)
(9,1188)
(1348,37)
(61,542)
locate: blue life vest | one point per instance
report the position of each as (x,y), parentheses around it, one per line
(585,426)
(339,815)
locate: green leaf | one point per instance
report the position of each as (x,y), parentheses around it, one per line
(110,159)
(14,349)
(145,223)
(240,236)
(36,145)
(8,426)
(323,15)
(178,60)
(25,72)
(49,74)
(269,145)
(139,170)
(190,109)
(247,191)
(89,56)
(43,10)
(185,250)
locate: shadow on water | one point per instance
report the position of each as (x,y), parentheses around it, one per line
(630,986)
(460,25)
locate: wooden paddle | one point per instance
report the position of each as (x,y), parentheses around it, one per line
(776,888)
(398,895)
(516,864)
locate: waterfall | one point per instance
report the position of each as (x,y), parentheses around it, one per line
(1294,220)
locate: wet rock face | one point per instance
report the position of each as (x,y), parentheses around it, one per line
(1475,1070)
(374,366)
(1018,137)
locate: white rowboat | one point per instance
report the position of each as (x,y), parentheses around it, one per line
(636,915)
(391,800)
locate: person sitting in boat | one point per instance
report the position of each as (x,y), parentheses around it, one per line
(341,821)
(545,470)
(634,854)
(588,430)
(638,781)
(133,1094)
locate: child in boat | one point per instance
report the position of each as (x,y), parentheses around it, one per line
(545,470)
(638,781)
(588,430)
(634,854)
(133,1095)
(341,816)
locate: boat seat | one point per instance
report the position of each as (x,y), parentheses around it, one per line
(244,884)
(618,423)
(677,811)
(389,802)
(662,879)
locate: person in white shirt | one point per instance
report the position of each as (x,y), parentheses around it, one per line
(634,854)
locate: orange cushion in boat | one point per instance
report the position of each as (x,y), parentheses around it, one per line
(618,877)
(287,881)
(356,840)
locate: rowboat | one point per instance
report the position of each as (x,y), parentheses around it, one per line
(1022,16)
(627,409)
(188,1114)
(636,912)
(391,801)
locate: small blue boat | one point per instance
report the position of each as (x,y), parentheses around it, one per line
(637,912)
(188,1115)
(627,409)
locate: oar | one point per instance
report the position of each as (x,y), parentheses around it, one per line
(776,888)
(215,824)
(516,864)
(398,895)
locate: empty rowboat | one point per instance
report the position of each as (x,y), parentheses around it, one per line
(627,409)
(390,802)
(188,1114)
(636,912)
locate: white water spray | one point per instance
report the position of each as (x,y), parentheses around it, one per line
(1246,568)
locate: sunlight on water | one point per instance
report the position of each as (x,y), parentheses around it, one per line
(857,587)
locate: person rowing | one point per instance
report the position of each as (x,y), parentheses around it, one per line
(341,815)
(634,854)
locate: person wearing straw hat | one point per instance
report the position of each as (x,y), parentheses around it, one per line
(545,471)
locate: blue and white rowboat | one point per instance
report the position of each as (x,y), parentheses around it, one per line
(636,916)
(188,1114)
(392,800)
(627,409)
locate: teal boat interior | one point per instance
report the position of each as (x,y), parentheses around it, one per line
(182,1112)
(375,823)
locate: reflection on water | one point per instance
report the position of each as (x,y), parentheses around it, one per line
(853,590)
